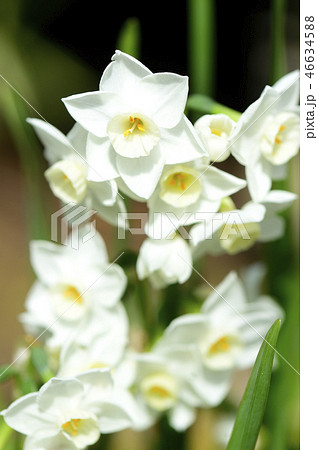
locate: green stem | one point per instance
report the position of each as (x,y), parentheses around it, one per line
(5,433)
(31,163)
(202,46)
(169,439)
(278,44)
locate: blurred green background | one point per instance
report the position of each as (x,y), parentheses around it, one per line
(230,50)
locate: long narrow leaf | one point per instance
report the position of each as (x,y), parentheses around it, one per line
(129,37)
(206,105)
(252,407)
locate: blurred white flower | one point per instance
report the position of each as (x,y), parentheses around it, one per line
(267,134)
(164,261)
(67,413)
(229,231)
(215,131)
(186,194)
(233,230)
(165,383)
(68,171)
(226,334)
(104,349)
(75,289)
(136,124)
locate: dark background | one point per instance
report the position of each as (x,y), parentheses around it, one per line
(90,29)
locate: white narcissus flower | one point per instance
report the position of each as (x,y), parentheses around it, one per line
(164,261)
(267,134)
(226,334)
(215,131)
(165,383)
(69,172)
(230,231)
(67,413)
(186,194)
(136,124)
(104,349)
(75,289)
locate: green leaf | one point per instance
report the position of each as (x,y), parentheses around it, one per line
(40,362)
(202,45)
(7,372)
(129,37)
(206,105)
(252,407)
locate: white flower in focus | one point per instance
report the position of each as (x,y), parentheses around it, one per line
(75,289)
(164,261)
(267,134)
(136,124)
(226,334)
(186,194)
(67,413)
(68,174)
(215,131)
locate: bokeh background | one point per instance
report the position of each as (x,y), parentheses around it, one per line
(49,50)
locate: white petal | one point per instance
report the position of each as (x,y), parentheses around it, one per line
(114,214)
(122,75)
(142,174)
(244,141)
(181,417)
(101,159)
(186,330)
(103,192)
(258,180)
(47,260)
(181,143)
(272,228)
(278,200)
(133,135)
(288,85)
(93,110)
(60,395)
(112,418)
(142,417)
(57,146)
(232,290)
(163,98)
(109,287)
(214,131)
(98,386)
(67,179)
(217,184)
(77,137)
(43,441)
(24,416)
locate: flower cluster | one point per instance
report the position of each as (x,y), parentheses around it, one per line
(132,139)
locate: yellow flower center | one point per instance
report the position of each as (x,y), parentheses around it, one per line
(216,131)
(180,180)
(71,427)
(222,345)
(159,391)
(72,294)
(135,122)
(278,138)
(180,186)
